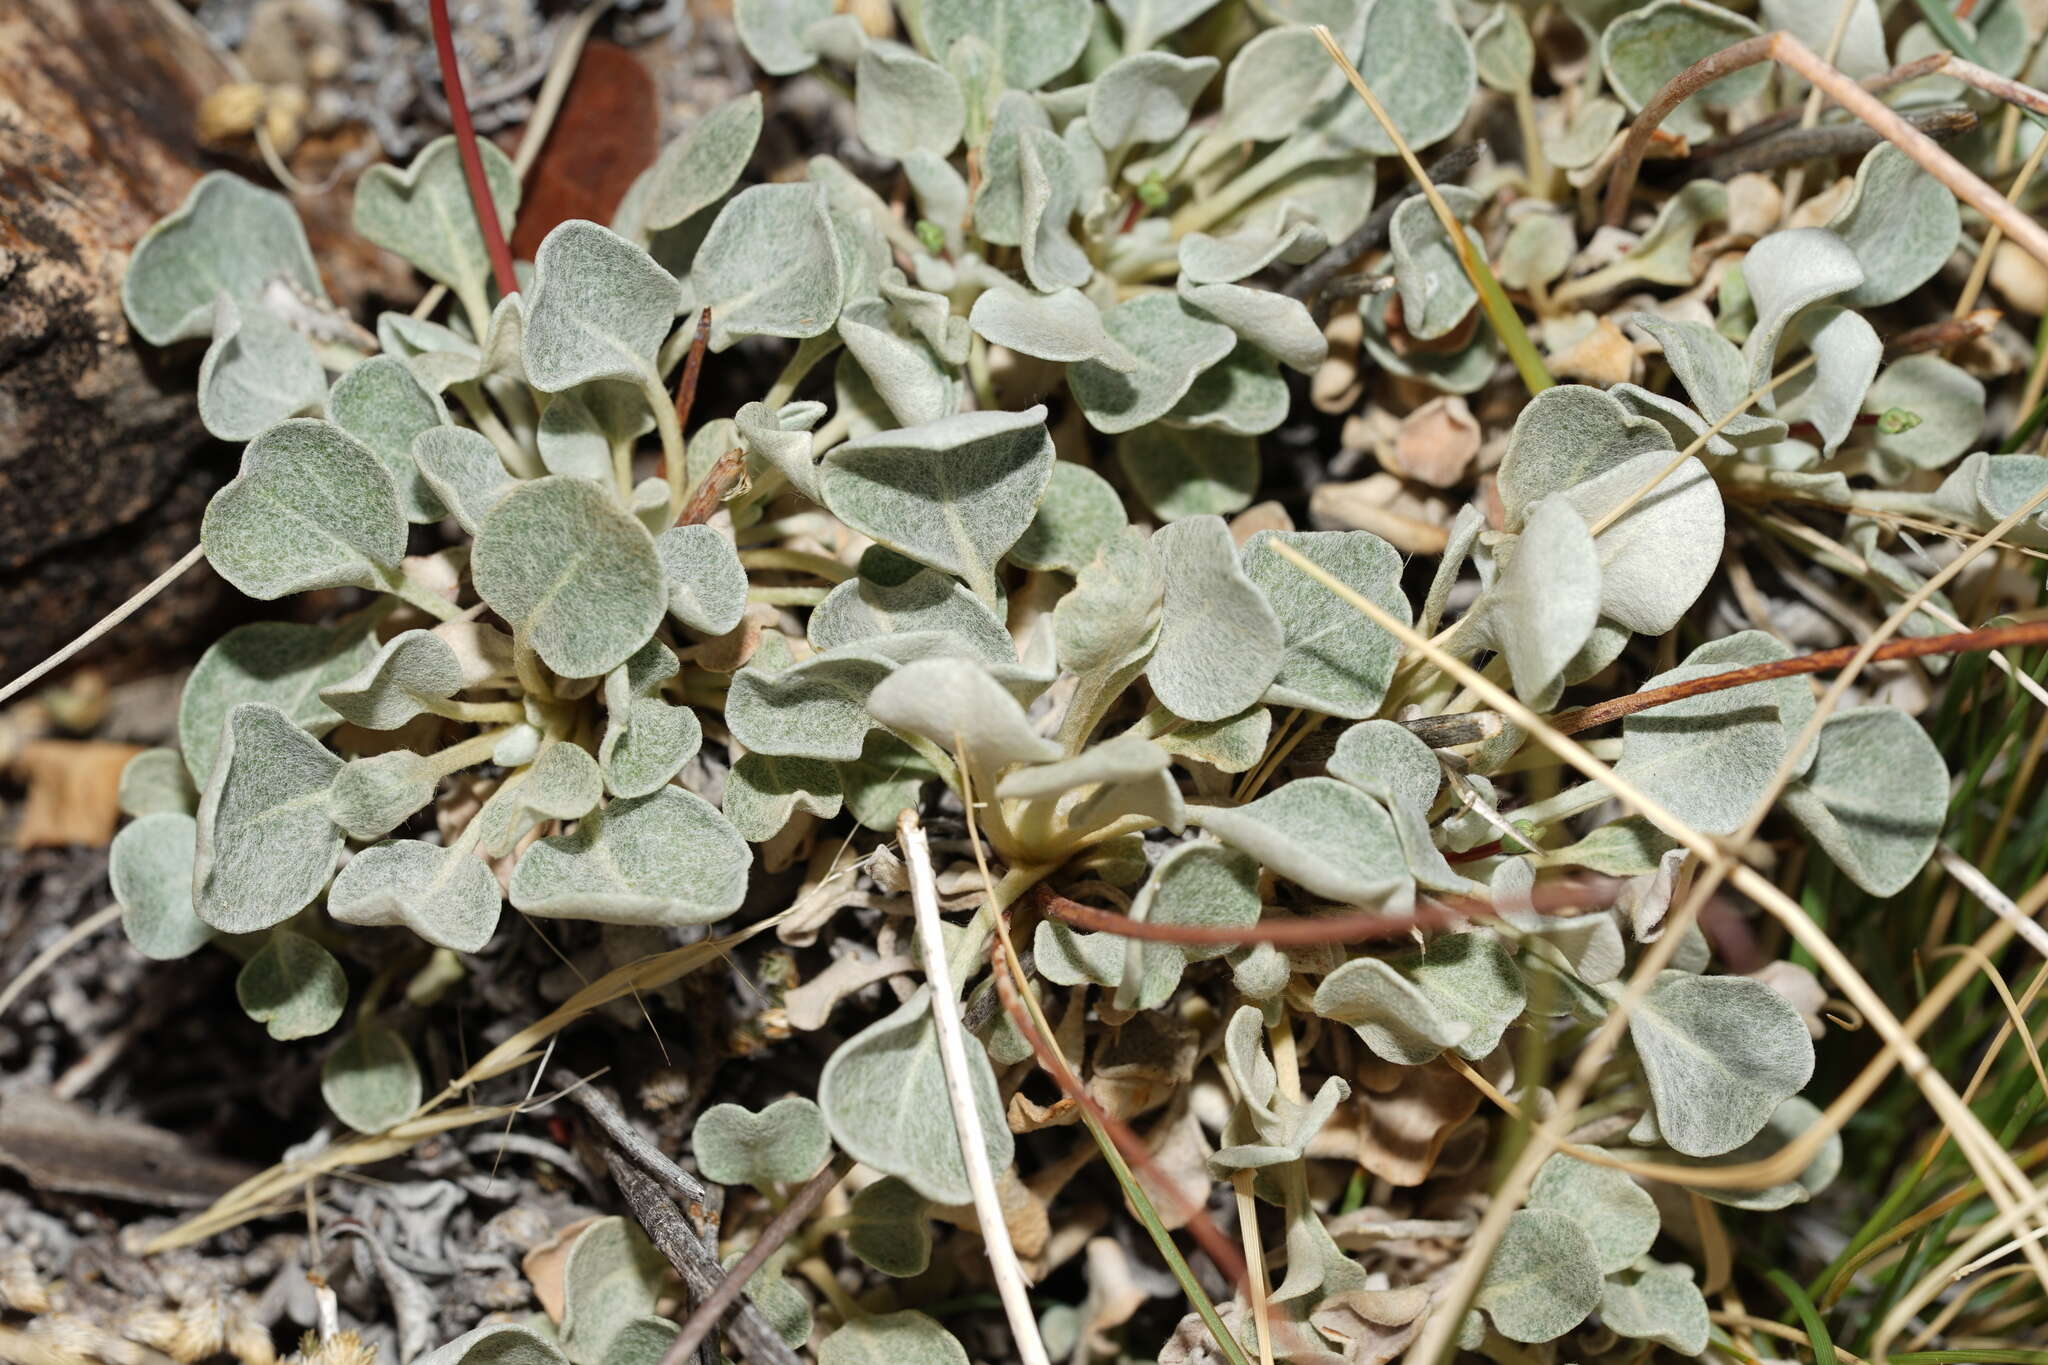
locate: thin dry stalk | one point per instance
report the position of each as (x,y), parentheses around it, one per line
(107,622)
(981,1178)
(1783,48)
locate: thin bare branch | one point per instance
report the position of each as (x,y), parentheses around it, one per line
(705,1317)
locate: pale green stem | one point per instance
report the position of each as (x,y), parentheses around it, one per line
(978,374)
(972,946)
(520,461)
(797,561)
(1268,171)
(475,712)
(410,591)
(466,754)
(673,454)
(787,597)
(1535,162)
(809,352)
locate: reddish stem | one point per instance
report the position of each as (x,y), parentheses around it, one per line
(686,387)
(1437,913)
(472,159)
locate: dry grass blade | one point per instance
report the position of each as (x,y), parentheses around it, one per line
(981,1180)
(71,938)
(106,623)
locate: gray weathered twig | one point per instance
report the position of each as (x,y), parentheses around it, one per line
(1808,144)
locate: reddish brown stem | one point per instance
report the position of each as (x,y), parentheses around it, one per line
(716,486)
(1961,642)
(472,159)
(1219,1247)
(1941,335)
(686,387)
(1437,913)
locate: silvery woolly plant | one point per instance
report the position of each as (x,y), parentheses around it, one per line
(1083,269)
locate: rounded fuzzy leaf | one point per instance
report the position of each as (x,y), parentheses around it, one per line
(665,859)
(1436,294)
(280,663)
(1787,273)
(410,672)
(150,867)
(890,1230)
(1034,40)
(1543,607)
(1643,49)
(770,266)
(257,372)
(574,574)
(1461,991)
(1503,51)
(884,1097)
(773,32)
(1875,798)
(228,237)
(464,471)
(445,895)
(1617,1214)
(1846,351)
(383,406)
(1197,883)
(1945,405)
(905,1338)
(1564,435)
(646,740)
(1543,1279)
(784,1143)
(1063,326)
(311,508)
(957,705)
(1173,344)
(292,986)
(1242,393)
(1184,472)
(1049,191)
(155,782)
(904,103)
(497,1343)
(610,1280)
(1294,238)
(1900,223)
(954,494)
(695,170)
(1332,660)
(705,582)
(865,609)
(580,427)
(371,1081)
(1276,324)
(1077,515)
(1658,557)
(265,846)
(1330,837)
(762,792)
(374,795)
(1419,62)
(1721,1054)
(1220,640)
(424,212)
(816,709)
(1264,94)
(599,308)
(1146,97)
(1660,1304)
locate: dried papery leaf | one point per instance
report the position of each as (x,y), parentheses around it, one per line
(957,705)
(384,407)
(1146,97)
(1643,49)
(1182,472)
(1436,294)
(646,740)
(1657,558)
(581,427)
(1264,94)
(1330,661)
(410,672)
(762,792)
(277,662)
(292,986)
(1033,40)
(575,575)
(665,859)
(1721,1054)
(371,1081)
(1543,606)
(1617,1214)
(1330,837)
(599,308)
(816,709)
(906,373)
(424,212)
(1278,325)
(445,895)
(1564,435)
(1899,222)
(784,1143)
(890,1229)
(1846,351)
(954,494)
(155,782)
(1079,513)
(1461,992)
(1786,273)
(257,371)
(1543,1280)
(1503,53)
(693,171)
(497,1343)
(612,1278)
(904,103)
(1242,393)
(1173,344)
(905,1338)
(227,237)
(311,508)
(464,471)
(1197,883)
(1928,412)
(1875,798)
(150,867)
(1220,640)
(884,1096)
(1294,238)
(1659,1304)
(265,846)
